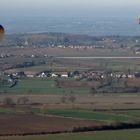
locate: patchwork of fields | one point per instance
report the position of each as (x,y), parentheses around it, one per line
(52,108)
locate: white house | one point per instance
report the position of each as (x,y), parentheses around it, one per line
(54,75)
(131,76)
(42,75)
(30,75)
(64,75)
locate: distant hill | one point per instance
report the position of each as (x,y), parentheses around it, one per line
(56,39)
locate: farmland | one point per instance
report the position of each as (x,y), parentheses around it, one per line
(95,115)
(111,135)
(106,116)
(33,124)
(41,86)
(46,58)
(18,122)
(65,88)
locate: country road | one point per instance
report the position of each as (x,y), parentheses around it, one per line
(92,57)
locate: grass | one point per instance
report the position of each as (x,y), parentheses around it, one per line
(56,68)
(135,114)
(18,110)
(123,116)
(108,135)
(80,114)
(91,115)
(41,86)
(115,116)
(7,110)
(115,64)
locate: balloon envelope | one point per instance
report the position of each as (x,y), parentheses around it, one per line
(2,31)
(139,19)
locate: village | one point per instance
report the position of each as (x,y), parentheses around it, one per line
(89,74)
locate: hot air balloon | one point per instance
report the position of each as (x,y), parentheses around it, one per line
(139,20)
(2,32)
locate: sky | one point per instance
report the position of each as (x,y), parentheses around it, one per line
(68,7)
(67,3)
(15,15)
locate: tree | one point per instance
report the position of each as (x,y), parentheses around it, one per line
(66,40)
(64,99)
(76,72)
(8,101)
(22,100)
(93,91)
(11,76)
(125,83)
(72,98)
(129,70)
(69,74)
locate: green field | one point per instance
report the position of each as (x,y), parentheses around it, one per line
(7,110)
(134,114)
(56,68)
(107,116)
(87,115)
(18,110)
(108,135)
(41,86)
(113,116)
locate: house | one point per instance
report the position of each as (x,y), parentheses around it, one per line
(54,75)
(111,74)
(42,75)
(76,77)
(131,76)
(124,76)
(102,76)
(64,75)
(30,74)
(118,75)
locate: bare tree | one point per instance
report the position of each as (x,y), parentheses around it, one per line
(64,99)
(8,101)
(22,100)
(126,84)
(72,98)
(93,91)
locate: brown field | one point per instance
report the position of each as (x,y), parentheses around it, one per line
(133,82)
(68,51)
(88,101)
(33,124)
(21,55)
(66,83)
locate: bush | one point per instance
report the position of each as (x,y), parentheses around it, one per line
(8,101)
(22,100)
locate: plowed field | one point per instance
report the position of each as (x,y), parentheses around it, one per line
(34,124)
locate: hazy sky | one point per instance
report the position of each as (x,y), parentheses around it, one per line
(43,3)
(68,7)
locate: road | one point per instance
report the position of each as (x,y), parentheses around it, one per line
(96,57)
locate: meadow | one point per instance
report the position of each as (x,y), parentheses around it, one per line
(108,135)
(29,86)
(109,116)
(92,115)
